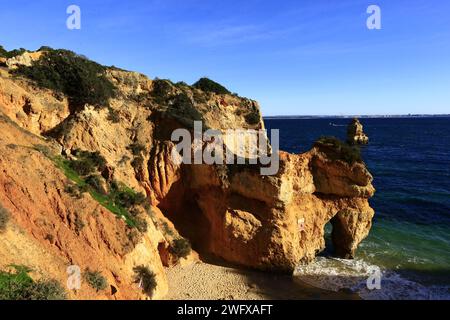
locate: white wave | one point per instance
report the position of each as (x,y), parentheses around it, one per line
(337,274)
(337,125)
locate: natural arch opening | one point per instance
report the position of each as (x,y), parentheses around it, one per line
(329,249)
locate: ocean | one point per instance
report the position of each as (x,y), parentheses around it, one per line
(410,238)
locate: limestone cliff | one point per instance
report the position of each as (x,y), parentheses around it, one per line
(229,211)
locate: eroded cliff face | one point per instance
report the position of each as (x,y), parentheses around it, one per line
(52,230)
(229,211)
(274,222)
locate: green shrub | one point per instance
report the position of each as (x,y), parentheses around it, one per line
(87,162)
(95,181)
(129,199)
(123,160)
(165,228)
(181,247)
(113,199)
(43,149)
(18,285)
(183,109)
(47,290)
(72,190)
(113,116)
(146,279)
(4,218)
(200,97)
(83,167)
(141,224)
(3,52)
(96,280)
(161,91)
(95,157)
(182,102)
(181,84)
(82,80)
(208,85)
(136,148)
(137,162)
(139,220)
(79,224)
(335,149)
(10,54)
(76,191)
(252,118)
(45,48)
(125,196)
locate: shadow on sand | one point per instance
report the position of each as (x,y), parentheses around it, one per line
(281,286)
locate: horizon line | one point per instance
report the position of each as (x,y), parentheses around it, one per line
(361,115)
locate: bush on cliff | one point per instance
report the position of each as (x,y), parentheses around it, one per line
(82,80)
(3,52)
(183,109)
(146,279)
(208,85)
(96,182)
(136,148)
(140,224)
(9,54)
(125,196)
(83,167)
(95,279)
(79,223)
(4,218)
(335,149)
(113,115)
(161,91)
(252,118)
(18,285)
(87,162)
(107,200)
(181,247)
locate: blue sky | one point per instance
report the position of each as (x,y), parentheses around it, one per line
(295,57)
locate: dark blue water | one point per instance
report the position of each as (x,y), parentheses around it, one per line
(410,161)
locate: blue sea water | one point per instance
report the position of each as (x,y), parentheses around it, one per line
(410,239)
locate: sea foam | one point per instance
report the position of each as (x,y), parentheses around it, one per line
(337,274)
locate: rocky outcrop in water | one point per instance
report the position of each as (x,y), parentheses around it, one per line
(355,133)
(229,211)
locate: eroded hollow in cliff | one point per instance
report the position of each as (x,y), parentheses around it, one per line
(181,208)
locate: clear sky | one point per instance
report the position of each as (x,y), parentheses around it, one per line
(295,57)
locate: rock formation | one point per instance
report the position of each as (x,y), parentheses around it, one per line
(229,211)
(355,133)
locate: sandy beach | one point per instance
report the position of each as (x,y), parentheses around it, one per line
(205,281)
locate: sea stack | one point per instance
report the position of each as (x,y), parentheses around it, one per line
(355,133)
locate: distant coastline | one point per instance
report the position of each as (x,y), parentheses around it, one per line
(359,116)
